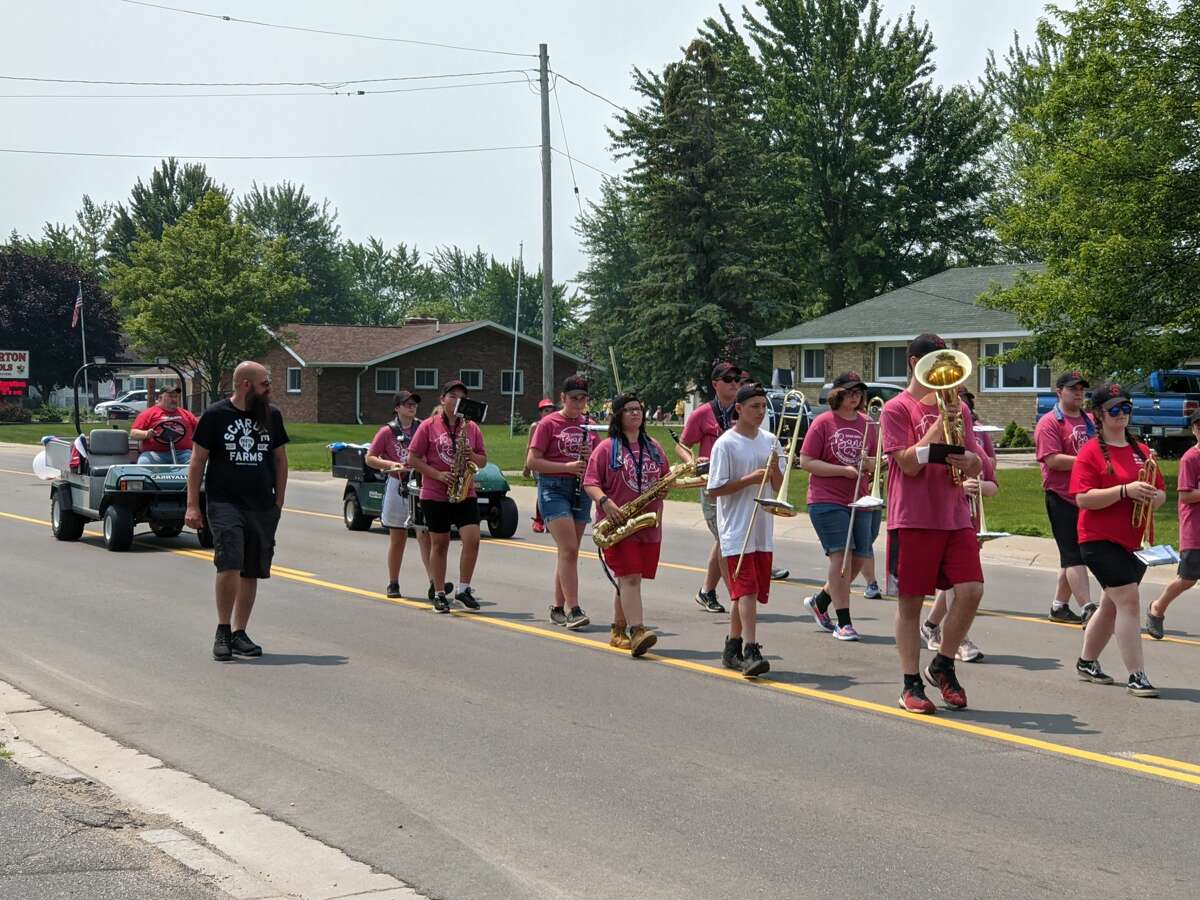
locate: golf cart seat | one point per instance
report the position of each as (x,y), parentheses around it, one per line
(107,447)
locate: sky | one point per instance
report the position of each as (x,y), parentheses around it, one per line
(490,199)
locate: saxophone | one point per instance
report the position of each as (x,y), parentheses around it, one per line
(607,532)
(462,471)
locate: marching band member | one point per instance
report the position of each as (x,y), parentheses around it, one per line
(545,407)
(1059,436)
(740,458)
(835,442)
(389,452)
(559,452)
(931,543)
(622,467)
(1189,534)
(1106,484)
(432,452)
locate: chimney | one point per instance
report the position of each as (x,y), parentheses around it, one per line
(437,326)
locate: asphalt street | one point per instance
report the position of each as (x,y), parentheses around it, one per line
(499,756)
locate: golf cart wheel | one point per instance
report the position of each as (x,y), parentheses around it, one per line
(205,537)
(166,531)
(353,515)
(502,518)
(65,525)
(118,528)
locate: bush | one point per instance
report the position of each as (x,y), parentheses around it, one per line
(519,425)
(51,414)
(1015,436)
(11,413)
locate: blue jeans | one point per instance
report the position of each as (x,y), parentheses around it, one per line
(555,493)
(162,458)
(832,522)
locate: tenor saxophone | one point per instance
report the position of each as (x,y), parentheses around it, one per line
(463,470)
(607,532)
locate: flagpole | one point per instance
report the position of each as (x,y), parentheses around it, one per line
(512,403)
(83,340)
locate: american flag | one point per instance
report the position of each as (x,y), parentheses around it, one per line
(78,308)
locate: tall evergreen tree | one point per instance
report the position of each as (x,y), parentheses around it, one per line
(172,191)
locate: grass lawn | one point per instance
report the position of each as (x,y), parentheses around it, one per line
(1018,508)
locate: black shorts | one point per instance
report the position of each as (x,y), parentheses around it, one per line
(1112,564)
(1189,565)
(441,514)
(1064,524)
(243,539)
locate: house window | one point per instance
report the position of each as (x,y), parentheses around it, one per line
(506,381)
(472,378)
(425,379)
(293,381)
(813,365)
(137,384)
(1020,375)
(891,363)
(387,381)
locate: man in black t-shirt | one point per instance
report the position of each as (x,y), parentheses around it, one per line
(238,452)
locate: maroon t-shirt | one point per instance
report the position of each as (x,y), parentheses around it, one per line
(560,439)
(1052,436)
(838,441)
(1189,513)
(625,484)
(434,444)
(388,445)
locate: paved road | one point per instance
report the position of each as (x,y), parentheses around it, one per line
(497,756)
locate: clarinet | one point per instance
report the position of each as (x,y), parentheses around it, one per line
(585,450)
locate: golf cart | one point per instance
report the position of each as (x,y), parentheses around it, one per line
(362,501)
(97,478)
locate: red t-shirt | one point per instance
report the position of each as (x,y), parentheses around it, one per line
(622,485)
(986,445)
(1113,523)
(1189,513)
(1052,436)
(838,441)
(387,445)
(152,415)
(929,499)
(434,444)
(703,428)
(561,440)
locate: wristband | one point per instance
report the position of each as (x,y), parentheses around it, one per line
(1122,492)
(602,501)
(923,454)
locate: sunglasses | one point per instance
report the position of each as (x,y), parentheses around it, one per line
(1120,409)
(731,379)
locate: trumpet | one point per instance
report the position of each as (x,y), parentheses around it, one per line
(872,501)
(1143,512)
(943,371)
(774,505)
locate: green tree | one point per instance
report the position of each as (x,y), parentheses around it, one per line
(81,244)
(172,191)
(1109,190)
(387,285)
(206,293)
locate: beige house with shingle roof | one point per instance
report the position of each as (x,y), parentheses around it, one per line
(871,338)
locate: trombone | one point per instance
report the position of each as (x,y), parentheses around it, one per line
(872,501)
(774,505)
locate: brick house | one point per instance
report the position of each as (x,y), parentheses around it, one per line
(871,338)
(349,373)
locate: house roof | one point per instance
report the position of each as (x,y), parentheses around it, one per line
(368,345)
(946,303)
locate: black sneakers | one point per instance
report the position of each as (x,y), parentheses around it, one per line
(1064,613)
(558,616)
(222,651)
(393,589)
(440,603)
(731,657)
(707,601)
(753,664)
(576,618)
(780,574)
(1139,685)
(446,588)
(241,645)
(1089,670)
(468,599)
(1154,625)
(1089,609)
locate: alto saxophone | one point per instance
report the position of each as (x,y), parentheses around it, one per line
(607,532)
(463,470)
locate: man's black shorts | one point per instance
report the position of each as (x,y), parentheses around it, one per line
(1111,563)
(1189,565)
(1064,524)
(441,514)
(243,539)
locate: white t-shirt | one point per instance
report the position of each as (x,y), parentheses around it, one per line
(733,457)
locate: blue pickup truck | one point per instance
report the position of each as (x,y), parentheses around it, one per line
(1161,406)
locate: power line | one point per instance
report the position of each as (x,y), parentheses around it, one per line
(615,106)
(582,163)
(562,126)
(352,93)
(380,155)
(346,34)
(327,85)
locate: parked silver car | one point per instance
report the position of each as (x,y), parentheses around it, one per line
(127,405)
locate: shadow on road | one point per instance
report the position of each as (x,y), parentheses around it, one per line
(822,682)
(1023,720)
(296,659)
(1189,695)
(1028,663)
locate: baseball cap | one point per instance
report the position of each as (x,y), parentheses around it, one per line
(545,403)
(405,396)
(1070,379)
(1107,392)
(574,383)
(925,343)
(721,369)
(451,385)
(753,389)
(1194,418)
(848,381)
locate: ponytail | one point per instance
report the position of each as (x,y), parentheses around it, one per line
(1104,450)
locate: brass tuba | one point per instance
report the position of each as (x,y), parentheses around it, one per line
(943,372)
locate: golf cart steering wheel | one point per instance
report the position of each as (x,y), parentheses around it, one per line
(168,431)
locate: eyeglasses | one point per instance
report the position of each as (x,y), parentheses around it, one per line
(632,409)
(1121,409)
(577,396)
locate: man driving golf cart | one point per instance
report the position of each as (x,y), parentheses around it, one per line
(160,426)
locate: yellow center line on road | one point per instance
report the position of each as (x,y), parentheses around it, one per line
(1167,761)
(1177,771)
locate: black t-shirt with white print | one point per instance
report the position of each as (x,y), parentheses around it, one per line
(241,461)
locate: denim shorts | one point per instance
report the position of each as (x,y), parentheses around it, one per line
(555,493)
(832,522)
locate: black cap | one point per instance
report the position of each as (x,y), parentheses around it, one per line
(753,389)
(925,343)
(574,383)
(721,369)
(848,381)
(1107,392)
(452,384)
(405,396)
(1070,379)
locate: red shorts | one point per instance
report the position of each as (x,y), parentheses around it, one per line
(633,557)
(755,578)
(923,561)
